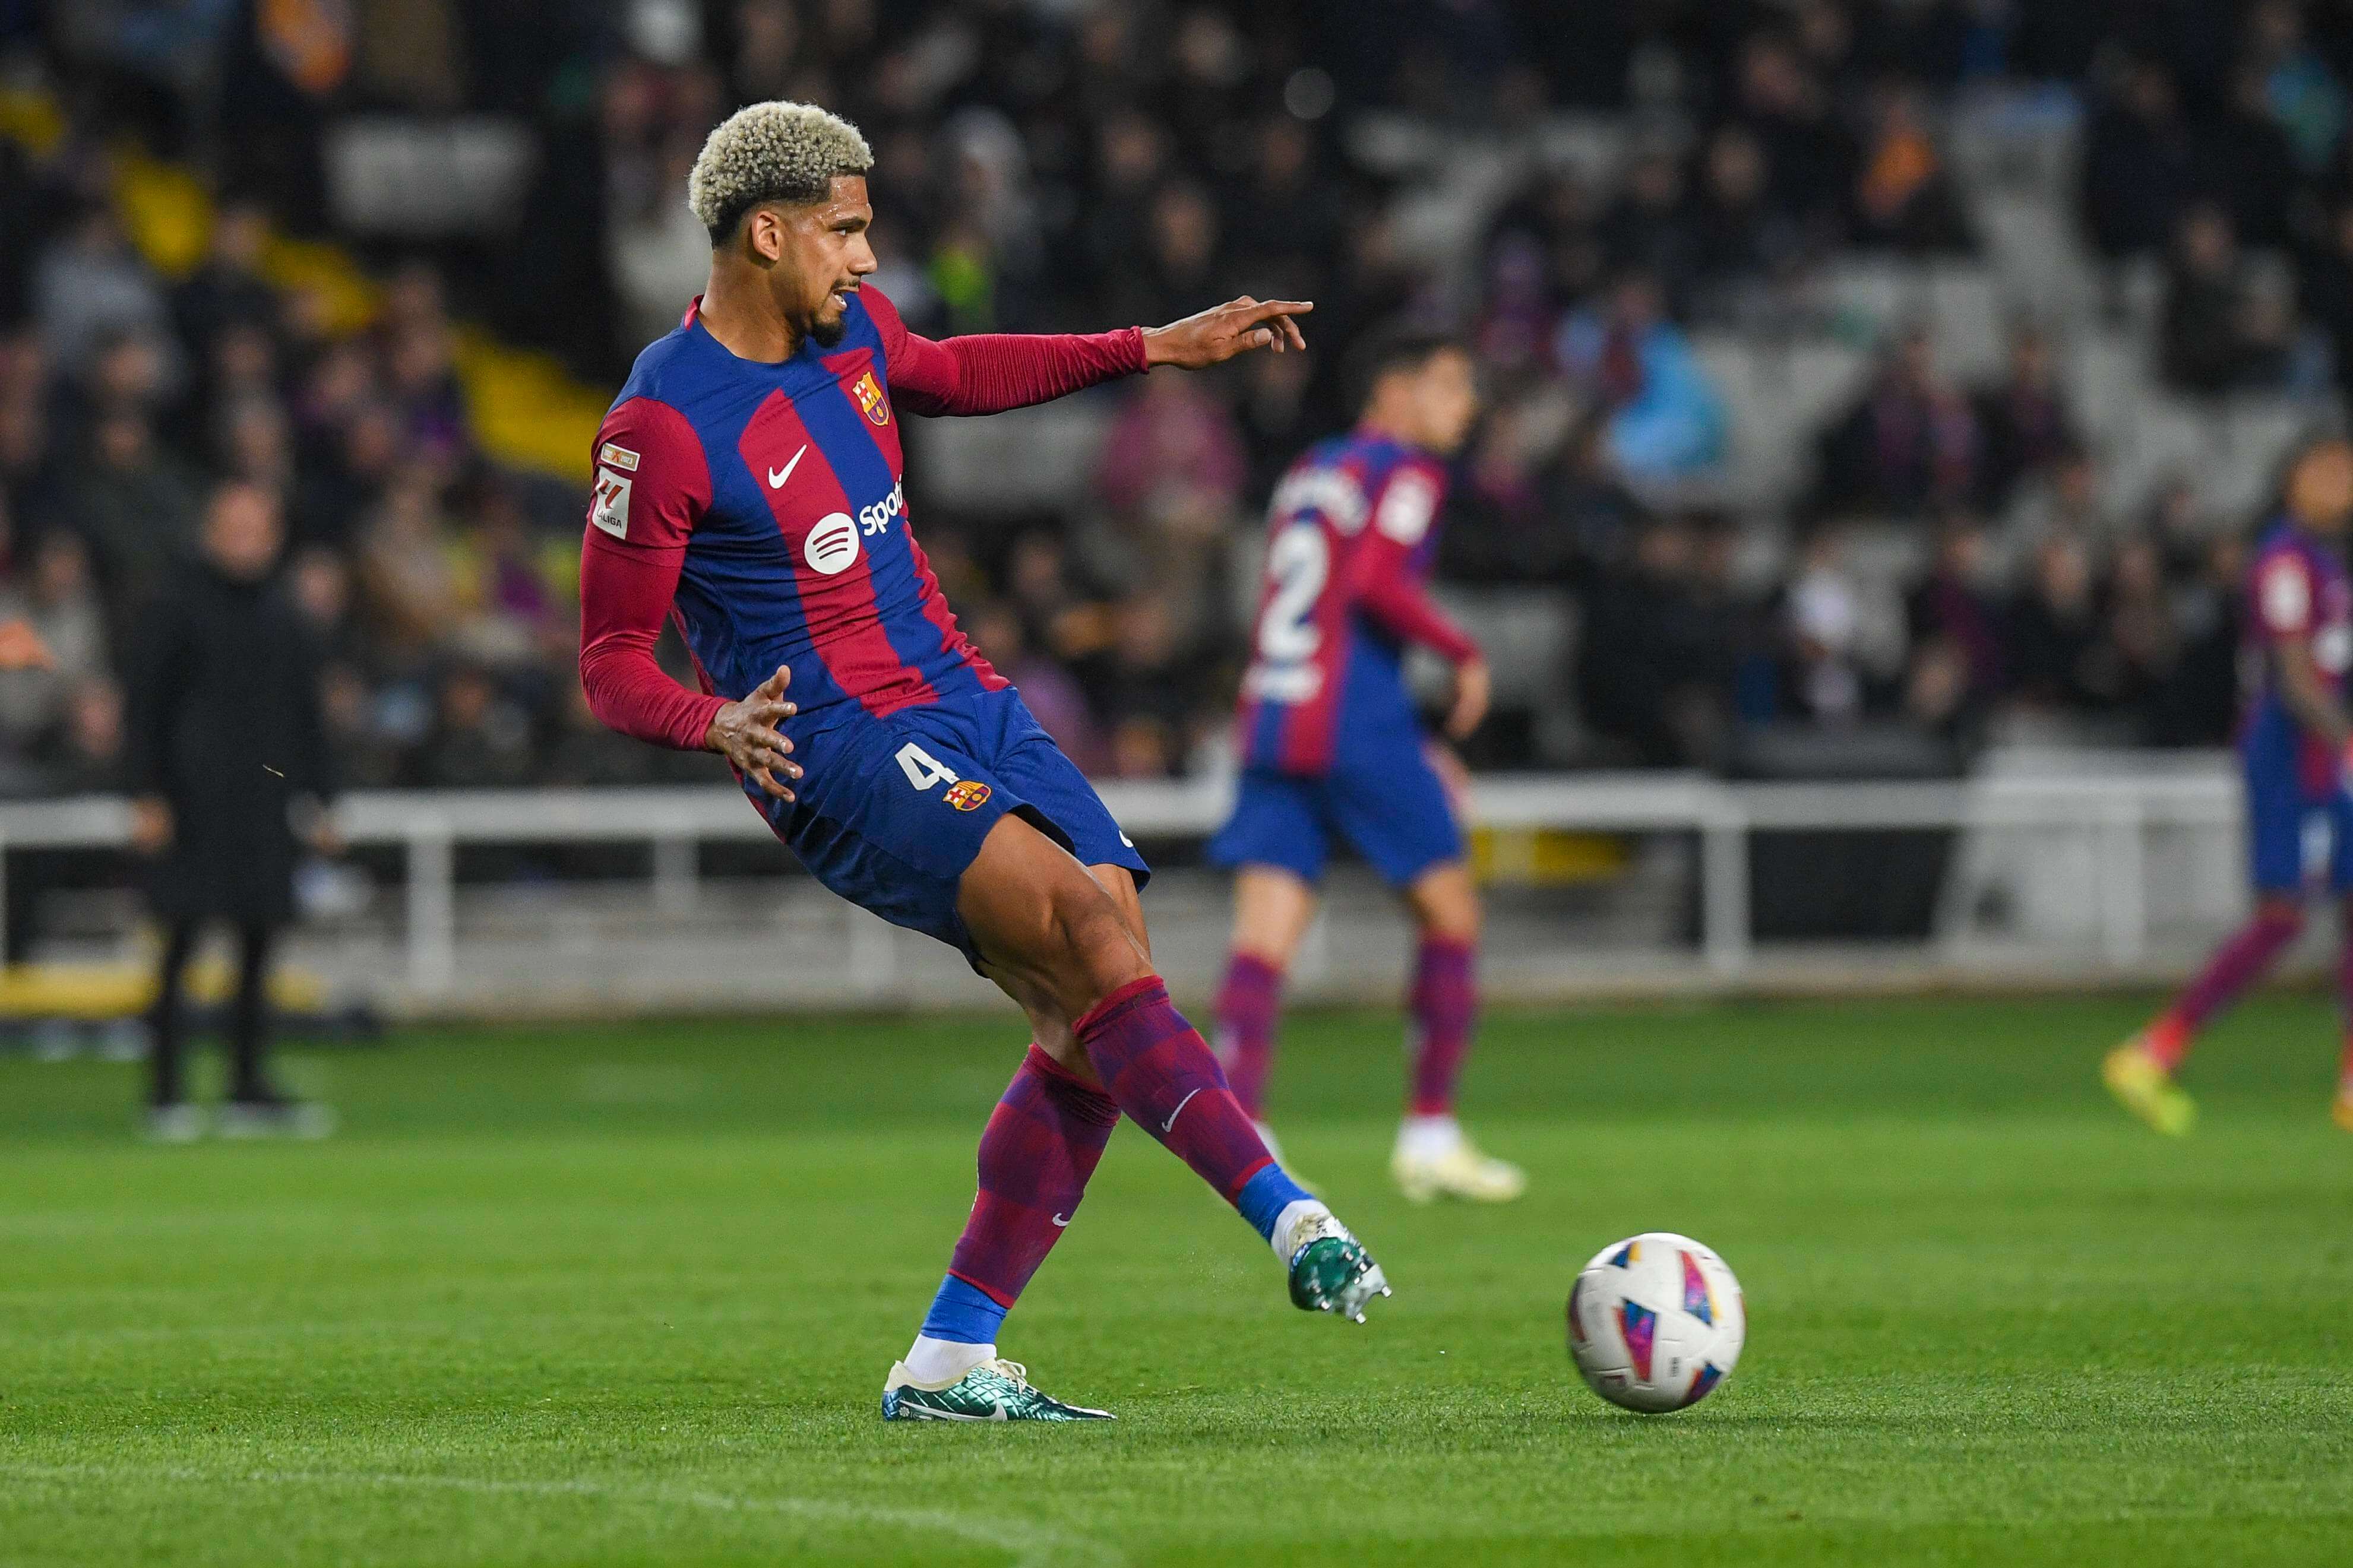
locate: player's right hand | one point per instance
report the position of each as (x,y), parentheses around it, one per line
(1472,687)
(745,734)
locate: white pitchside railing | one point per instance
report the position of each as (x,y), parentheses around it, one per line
(2114,812)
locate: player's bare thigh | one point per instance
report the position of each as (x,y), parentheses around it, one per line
(1272,909)
(1056,936)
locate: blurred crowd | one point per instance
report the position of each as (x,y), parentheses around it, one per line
(1044,166)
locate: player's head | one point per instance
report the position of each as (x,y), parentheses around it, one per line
(242,532)
(782,188)
(2320,488)
(1418,386)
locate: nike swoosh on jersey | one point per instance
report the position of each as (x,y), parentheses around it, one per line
(1170,1125)
(777,477)
(1060,1221)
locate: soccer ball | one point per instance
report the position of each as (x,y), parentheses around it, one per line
(1655,1322)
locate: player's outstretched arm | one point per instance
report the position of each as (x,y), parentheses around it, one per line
(1221,331)
(989,373)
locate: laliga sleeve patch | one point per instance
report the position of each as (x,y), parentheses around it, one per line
(608,502)
(2285,596)
(1407,506)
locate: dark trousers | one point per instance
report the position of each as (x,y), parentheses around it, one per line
(249,1027)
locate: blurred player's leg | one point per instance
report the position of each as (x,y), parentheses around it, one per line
(1272,909)
(2140,1072)
(1433,1158)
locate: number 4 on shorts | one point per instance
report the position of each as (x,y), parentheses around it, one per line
(922,769)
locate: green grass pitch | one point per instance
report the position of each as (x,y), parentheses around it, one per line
(625,1294)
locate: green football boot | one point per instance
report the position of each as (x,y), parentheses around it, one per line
(1330,1269)
(993,1391)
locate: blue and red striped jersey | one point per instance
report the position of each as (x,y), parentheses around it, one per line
(761,507)
(1351,533)
(2297,591)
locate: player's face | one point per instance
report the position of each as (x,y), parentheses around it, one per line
(1446,400)
(822,255)
(2321,493)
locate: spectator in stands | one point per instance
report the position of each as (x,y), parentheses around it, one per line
(1666,421)
(90,286)
(56,598)
(1647,230)
(2054,632)
(2024,419)
(1654,670)
(2141,636)
(1148,690)
(481,740)
(2215,334)
(1904,199)
(1825,680)
(1810,154)
(1739,236)
(1959,611)
(2065,498)
(227,289)
(1909,443)
(408,586)
(135,503)
(2139,161)
(2198,705)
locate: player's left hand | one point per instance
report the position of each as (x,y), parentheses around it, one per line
(1472,687)
(1221,331)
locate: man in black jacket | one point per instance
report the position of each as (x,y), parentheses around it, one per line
(229,753)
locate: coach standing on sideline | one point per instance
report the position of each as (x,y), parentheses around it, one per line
(228,753)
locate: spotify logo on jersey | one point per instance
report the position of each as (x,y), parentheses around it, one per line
(832,545)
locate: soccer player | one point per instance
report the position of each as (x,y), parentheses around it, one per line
(747,484)
(2294,749)
(1332,747)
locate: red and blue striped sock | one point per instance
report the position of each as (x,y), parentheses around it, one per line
(1444,1003)
(1163,1075)
(1247,1004)
(1042,1142)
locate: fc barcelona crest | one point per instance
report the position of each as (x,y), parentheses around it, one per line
(869,393)
(968,795)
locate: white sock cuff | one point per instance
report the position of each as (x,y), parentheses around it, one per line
(942,1362)
(1295,1212)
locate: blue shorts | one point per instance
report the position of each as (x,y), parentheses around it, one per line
(1396,814)
(2289,835)
(893,809)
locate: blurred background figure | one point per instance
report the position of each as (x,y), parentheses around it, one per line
(230,751)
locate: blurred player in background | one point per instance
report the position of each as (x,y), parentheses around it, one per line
(747,484)
(1332,748)
(2297,750)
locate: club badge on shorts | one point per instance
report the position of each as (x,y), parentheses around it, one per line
(869,393)
(967,794)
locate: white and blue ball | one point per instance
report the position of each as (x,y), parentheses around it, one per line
(1656,1323)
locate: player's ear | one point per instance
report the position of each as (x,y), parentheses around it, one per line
(764,233)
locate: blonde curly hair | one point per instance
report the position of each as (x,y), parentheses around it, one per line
(775,152)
